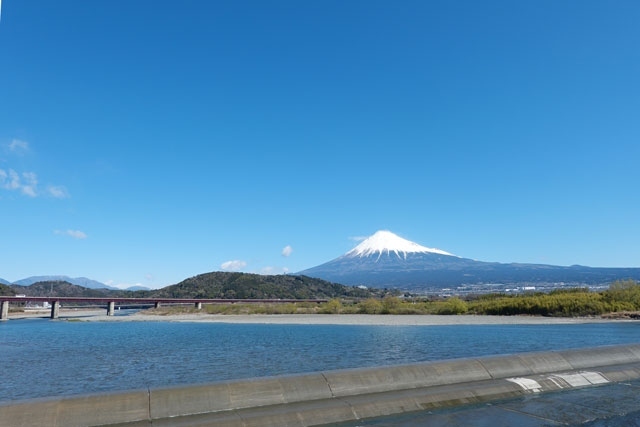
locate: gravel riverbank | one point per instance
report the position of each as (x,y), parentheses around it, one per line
(318,319)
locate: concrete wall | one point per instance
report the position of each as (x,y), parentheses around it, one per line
(334,396)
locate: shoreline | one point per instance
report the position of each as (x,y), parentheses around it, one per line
(318,319)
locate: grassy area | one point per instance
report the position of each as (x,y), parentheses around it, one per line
(622,297)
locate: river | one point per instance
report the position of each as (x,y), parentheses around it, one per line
(52,358)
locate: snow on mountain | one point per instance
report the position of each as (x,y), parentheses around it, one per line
(384,241)
(385,260)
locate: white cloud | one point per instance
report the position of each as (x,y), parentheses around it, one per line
(233,265)
(76,234)
(30,185)
(18,146)
(286,251)
(27,184)
(358,238)
(57,191)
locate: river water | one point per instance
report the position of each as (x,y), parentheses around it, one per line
(51,358)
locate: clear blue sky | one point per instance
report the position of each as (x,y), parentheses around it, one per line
(144,142)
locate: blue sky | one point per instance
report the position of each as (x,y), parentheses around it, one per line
(144,142)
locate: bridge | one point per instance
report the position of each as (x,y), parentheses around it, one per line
(110,302)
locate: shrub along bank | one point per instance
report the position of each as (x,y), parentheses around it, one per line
(622,296)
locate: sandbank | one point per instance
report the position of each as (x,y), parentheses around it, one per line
(318,319)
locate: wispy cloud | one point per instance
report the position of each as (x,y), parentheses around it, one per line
(76,234)
(27,184)
(287,250)
(57,191)
(18,146)
(358,238)
(233,265)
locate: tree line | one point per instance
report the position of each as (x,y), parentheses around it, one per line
(621,297)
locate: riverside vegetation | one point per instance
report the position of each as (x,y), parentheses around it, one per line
(622,299)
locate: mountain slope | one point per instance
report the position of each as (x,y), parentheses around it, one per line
(79,281)
(59,288)
(208,285)
(392,262)
(244,286)
(6,290)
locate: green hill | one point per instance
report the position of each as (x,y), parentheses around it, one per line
(210,285)
(256,286)
(6,290)
(59,288)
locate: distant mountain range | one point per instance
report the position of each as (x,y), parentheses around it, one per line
(62,288)
(385,260)
(79,281)
(219,284)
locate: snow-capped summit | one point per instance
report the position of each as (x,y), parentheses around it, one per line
(384,241)
(385,260)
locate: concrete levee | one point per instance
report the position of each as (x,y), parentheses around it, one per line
(360,381)
(589,357)
(176,401)
(335,396)
(77,411)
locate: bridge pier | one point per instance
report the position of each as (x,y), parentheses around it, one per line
(198,306)
(157,304)
(55,309)
(4,310)
(110,307)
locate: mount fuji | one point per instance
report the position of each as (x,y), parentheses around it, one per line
(389,261)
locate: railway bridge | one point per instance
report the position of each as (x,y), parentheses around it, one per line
(111,302)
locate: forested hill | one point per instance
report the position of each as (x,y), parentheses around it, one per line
(6,290)
(209,285)
(59,288)
(245,285)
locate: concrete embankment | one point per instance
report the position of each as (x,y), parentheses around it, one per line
(335,396)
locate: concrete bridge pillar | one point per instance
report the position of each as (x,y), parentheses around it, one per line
(55,309)
(110,307)
(4,310)
(157,304)
(198,306)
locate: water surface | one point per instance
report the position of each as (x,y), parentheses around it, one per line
(51,358)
